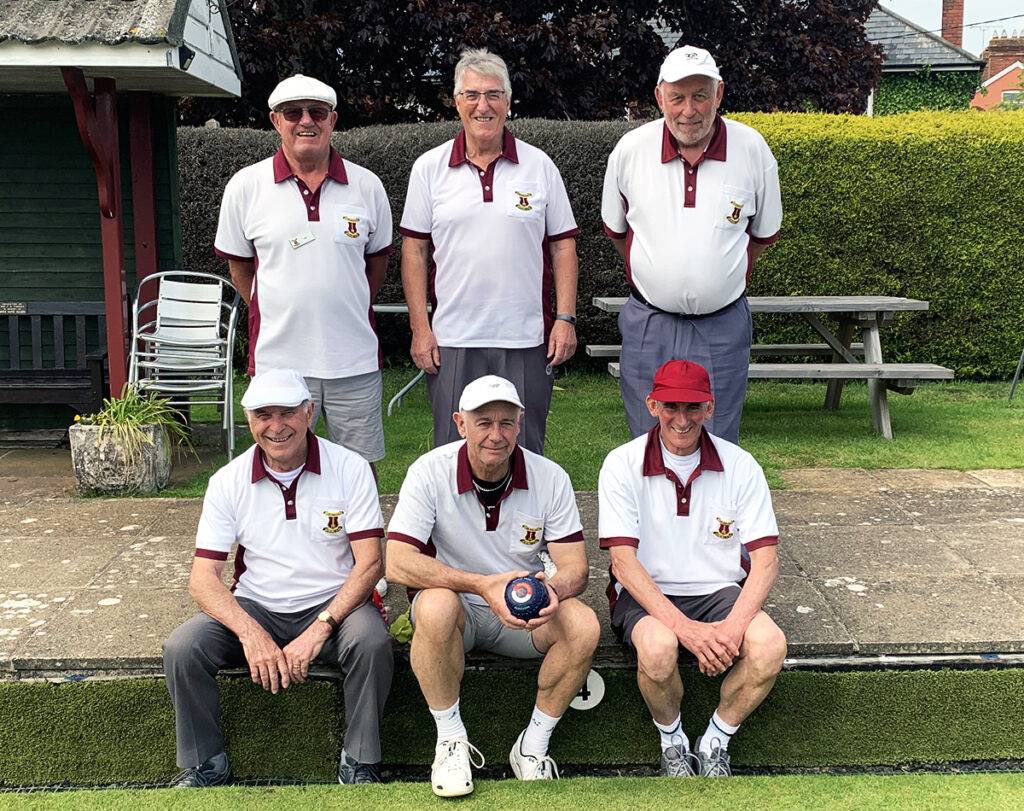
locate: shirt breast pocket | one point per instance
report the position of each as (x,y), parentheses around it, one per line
(734,208)
(326,520)
(722,529)
(351,226)
(526,535)
(524,201)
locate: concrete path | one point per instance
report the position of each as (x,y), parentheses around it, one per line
(873,562)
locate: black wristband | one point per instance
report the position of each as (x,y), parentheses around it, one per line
(566,317)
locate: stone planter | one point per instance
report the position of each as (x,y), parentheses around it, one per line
(102,464)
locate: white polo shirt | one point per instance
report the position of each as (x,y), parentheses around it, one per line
(310,308)
(490,228)
(439,513)
(692,537)
(293,542)
(688,227)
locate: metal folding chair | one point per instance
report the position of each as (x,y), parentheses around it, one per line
(182,343)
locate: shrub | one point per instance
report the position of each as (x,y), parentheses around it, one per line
(925,205)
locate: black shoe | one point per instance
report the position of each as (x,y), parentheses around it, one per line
(213,772)
(351,772)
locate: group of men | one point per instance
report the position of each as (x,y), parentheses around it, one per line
(488,248)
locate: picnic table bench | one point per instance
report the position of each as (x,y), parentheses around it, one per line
(847,360)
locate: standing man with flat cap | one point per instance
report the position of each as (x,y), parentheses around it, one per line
(489,238)
(688,520)
(690,202)
(305,515)
(307,236)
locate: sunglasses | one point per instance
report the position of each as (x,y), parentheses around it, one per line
(294,114)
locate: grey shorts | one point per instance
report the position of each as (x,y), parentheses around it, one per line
(700,608)
(352,410)
(484,631)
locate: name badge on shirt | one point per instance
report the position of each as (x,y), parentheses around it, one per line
(299,240)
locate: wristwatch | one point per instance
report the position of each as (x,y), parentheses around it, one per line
(325,616)
(566,317)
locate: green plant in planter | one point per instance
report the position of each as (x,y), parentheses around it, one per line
(126,416)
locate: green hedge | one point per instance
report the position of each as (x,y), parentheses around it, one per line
(925,205)
(925,90)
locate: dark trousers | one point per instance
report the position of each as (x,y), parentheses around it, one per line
(200,647)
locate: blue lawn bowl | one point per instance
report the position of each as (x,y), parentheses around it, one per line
(526,597)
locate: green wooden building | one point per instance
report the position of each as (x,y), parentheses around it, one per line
(89,177)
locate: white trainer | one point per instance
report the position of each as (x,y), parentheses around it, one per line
(451,774)
(530,767)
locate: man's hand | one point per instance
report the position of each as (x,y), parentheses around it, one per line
(562,343)
(493,590)
(267,664)
(734,630)
(302,650)
(549,610)
(713,647)
(424,351)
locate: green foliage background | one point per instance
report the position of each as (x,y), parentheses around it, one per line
(924,205)
(925,90)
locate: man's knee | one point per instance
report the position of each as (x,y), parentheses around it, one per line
(437,613)
(182,647)
(578,626)
(764,645)
(657,650)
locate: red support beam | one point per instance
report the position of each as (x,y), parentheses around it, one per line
(97,125)
(140,134)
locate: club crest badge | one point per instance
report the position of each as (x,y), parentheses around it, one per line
(530,537)
(724,528)
(353,227)
(736,209)
(333,524)
(524,200)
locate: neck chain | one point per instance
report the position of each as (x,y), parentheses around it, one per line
(499,486)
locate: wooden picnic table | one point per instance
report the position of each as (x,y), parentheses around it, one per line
(855,314)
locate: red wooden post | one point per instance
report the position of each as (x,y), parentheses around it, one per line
(140,134)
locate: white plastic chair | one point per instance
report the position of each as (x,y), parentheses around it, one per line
(183,340)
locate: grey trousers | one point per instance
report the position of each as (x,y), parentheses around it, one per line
(719,341)
(526,368)
(201,646)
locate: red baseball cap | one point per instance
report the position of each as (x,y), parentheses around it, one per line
(681,381)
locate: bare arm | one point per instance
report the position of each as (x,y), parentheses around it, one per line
(565,269)
(267,664)
(415,257)
(756,249)
(764,571)
(242,275)
(713,649)
(376,270)
(573,569)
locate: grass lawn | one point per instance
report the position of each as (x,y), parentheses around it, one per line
(962,426)
(990,791)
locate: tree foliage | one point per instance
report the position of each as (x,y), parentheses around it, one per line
(926,90)
(392,62)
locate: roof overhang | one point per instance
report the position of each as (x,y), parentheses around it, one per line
(958,67)
(153,68)
(1008,69)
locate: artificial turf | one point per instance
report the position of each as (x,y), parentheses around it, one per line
(106,732)
(908,791)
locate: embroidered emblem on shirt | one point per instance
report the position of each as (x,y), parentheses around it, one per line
(352,230)
(333,525)
(524,201)
(736,209)
(723,530)
(530,538)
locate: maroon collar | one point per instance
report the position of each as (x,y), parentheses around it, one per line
(654,462)
(458,156)
(464,473)
(259,469)
(335,169)
(715,150)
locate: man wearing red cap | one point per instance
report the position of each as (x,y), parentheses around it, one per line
(690,202)
(688,520)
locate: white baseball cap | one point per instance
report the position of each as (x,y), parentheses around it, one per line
(298,87)
(688,61)
(488,389)
(275,387)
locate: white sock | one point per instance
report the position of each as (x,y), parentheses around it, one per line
(673,735)
(449,724)
(538,733)
(718,730)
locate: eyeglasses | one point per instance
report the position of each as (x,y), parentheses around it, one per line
(473,96)
(294,114)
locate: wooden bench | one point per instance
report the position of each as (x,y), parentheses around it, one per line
(756,351)
(59,370)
